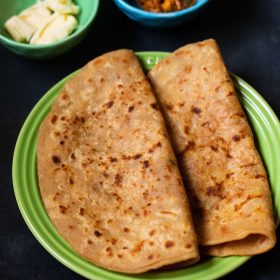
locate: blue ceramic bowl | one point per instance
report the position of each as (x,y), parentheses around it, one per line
(133,11)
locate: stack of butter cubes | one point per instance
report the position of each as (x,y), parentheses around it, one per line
(45,22)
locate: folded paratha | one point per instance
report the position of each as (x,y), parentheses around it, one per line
(108,175)
(225,179)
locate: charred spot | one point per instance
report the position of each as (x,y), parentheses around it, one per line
(217,88)
(215,190)
(113,159)
(125,248)
(189,146)
(137,156)
(152,232)
(108,249)
(110,104)
(228,175)
(53,119)
(205,69)
(187,129)
(102,80)
(64,96)
(105,174)
(146,212)
(120,256)
(236,138)
(157,145)
(118,198)
(248,164)
(230,93)
(130,109)
(154,106)
(169,106)
(97,233)
(196,110)
(61,142)
(71,181)
(145,194)
(228,155)
(71,227)
(137,247)
(56,159)
(82,212)
(181,104)
(127,230)
(260,176)
(89,242)
(188,246)
(150,257)
(146,164)
(118,179)
(169,244)
(57,133)
(114,241)
(214,148)
(63,118)
(62,209)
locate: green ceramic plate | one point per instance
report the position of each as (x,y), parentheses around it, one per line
(267,131)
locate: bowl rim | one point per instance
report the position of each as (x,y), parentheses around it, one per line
(72,36)
(197,5)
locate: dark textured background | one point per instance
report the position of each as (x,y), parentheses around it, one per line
(248,32)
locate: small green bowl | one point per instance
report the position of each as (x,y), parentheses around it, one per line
(13,7)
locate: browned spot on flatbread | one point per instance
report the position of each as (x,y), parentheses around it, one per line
(146,164)
(53,119)
(109,104)
(196,110)
(62,209)
(82,211)
(154,106)
(138,247)
(189,146)
(97,233)
(169,244)
(56,159)
(260,176)
(236,138)
(118,179)
(215,190)
(168,106)
(127,230)
(130,109)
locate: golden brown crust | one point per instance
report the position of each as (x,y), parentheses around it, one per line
(107,172)
(224,175)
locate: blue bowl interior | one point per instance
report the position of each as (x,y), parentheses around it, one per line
(133,6)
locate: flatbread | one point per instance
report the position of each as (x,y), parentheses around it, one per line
(108,175)
(225,179)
